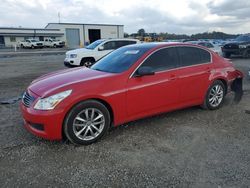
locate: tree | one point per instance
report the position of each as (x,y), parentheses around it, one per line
(141,32)
(126,35)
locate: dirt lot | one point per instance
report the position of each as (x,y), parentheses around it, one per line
(185,148)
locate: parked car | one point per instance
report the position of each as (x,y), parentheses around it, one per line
(208,44)
(31,43)
(130,83)
(239,46)
(95,51)
(55,43)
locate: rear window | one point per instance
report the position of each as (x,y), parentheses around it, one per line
(193,56)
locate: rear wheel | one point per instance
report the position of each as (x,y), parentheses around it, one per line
(87,122)
(87,62)
(215,95)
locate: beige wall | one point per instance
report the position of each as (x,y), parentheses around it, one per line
(107,31)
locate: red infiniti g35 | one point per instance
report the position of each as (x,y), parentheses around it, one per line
(130,83)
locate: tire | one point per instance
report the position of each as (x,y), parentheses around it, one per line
(32,46)
(246,53)
(87,62)
(54,46)
(215,96)
(86,122)
(226,54)
(22,46)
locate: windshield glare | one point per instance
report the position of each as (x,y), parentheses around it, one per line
(94,44)
(119,60)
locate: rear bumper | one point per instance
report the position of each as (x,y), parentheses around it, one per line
(237,86)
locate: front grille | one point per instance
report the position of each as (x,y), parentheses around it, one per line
(27,99)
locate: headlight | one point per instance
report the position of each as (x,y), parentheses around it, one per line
(242,46)
(73,55)
(50,102)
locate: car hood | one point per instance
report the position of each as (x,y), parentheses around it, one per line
(48,83)
(80,50)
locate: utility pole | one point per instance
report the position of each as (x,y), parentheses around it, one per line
(59,17)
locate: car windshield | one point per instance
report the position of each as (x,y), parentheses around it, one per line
(33,40)
(119,60)
(94,44)
(243,38)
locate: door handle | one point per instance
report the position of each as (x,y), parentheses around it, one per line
(172,77)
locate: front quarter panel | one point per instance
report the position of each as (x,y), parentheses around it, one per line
(109,90)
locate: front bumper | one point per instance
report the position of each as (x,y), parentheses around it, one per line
(45,124)
(233,51)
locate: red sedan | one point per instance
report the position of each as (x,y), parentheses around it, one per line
(130,83)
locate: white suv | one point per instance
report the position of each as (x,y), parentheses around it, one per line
(90,54)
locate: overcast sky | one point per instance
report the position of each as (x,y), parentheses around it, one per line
(172,16)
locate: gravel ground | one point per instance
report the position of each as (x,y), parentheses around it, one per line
(185,148)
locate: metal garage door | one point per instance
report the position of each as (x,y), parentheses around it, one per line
(73,38)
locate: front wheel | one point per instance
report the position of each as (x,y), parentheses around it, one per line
(226,54)
(215,95)
(87,62)
(87,122)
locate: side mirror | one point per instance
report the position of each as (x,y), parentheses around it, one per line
(101,48)
(144,71)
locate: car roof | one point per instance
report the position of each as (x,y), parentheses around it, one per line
(157,45)
(119,39)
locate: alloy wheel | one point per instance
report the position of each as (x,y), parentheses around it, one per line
(88,64)
(216,95)
(88,124)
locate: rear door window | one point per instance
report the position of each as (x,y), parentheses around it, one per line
(163,59)
(193,56)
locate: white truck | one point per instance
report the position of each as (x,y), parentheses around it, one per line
(90,54)
(53,43)
(31,43)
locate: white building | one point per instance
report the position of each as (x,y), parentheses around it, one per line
(74,34)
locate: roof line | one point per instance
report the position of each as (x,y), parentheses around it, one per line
(23,28)
(83,24)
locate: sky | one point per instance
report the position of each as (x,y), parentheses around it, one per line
(172,16)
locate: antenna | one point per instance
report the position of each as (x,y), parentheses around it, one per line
(59,17)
